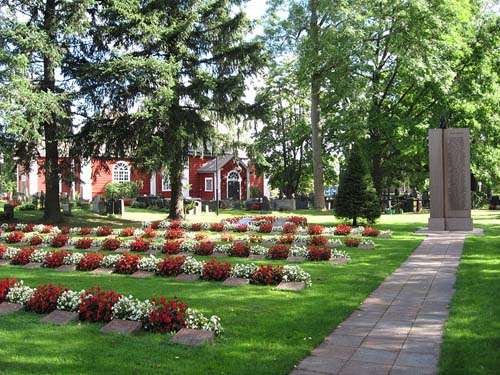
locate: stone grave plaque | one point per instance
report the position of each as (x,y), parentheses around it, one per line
(126,327)
(187,277)
(142,274)
(294,286)
(67,247)
(384,235)
(235,281)
(7,307)
(102,271)
(4,262)
(333,244)
(184,254)
(93,248)
(122,250)
(219,255)
(300,243)
(256,257)
(60,317)
(152,252)
(193,337)
(66,268)
(267,243)
(294,259)
(31,265)
(366,246)
(339,260)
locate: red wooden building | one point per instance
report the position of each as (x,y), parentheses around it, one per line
(202,178)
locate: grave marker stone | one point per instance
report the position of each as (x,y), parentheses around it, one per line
(60,317)
(185,277)
(193,337)
(7,307)
(66,268)
(102,271)
(142,274)
(293,286)
(235,281)
(126,327)
(31,265)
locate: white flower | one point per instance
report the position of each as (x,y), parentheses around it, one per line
(244,271)
(302,239)
(20,293)
(38,256)
(126,244)
(47,240)
(138,233)
(252,228)
(192,266)
(364,241)
(259,250)
(334,242)
(69,300)
(385,233)
(73,259)
(357,232)
(205,226)
(149,263)
(109,261)
(145,224)
(296,273)
(38,228)
(188,246)
(164,224)
(298,251)
(340,254)
(131,308)
(229,227)
(277,229)
(55,230)
(196,320)
(75,230)
(223,248)
(96,242)
(10,253)
(116,232)
(185,225)
(156,246)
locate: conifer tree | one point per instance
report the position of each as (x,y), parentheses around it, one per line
(356,197)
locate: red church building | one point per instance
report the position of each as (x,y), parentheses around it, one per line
(203,176)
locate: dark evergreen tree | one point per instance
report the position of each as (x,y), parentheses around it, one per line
(356,197)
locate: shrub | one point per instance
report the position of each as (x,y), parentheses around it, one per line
(171,247)
(278,252)
(267,275)
(352,241)
(137,204)
(5,285)
(139,245)
(96,305)
(171,266)
(104,231)
(35,240)
(204,248)
(111,243)
(27,207)
(371,232)
(23,256)
(59,240)
(290,228)
(44,300)
(174,233)
(265,228)
(55,258)
(342,230)
(319,253)
(214,270)
(167,316)
(15,237)
(90,261)
(127,232)
(240,249)
(84,243)
(315,229)
(127,264)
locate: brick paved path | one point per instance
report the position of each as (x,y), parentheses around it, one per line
(399,328)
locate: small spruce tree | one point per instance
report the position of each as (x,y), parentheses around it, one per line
(356,197)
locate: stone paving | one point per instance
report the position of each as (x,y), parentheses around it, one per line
(398,329)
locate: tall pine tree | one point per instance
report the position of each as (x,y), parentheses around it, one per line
(356,197)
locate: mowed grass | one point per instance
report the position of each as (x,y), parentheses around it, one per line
(472,336)
(266,331)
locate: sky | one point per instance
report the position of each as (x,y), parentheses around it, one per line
(255,9)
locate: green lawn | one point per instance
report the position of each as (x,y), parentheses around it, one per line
(472,337)
(266,331)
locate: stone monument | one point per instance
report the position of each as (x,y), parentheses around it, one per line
(449,165)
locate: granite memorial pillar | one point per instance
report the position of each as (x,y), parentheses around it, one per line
(449,165)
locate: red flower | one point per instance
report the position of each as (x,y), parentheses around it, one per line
(28,228)
(171,266)
(44,300)
(55,258)
(266,228)
(278,252)
(5,285)
(267,275)
(15,236)
(64,230)
(297,220)
(127,232)
(217,227)
(342,229)
(85,231)
(171,247)
(174,233)
(240,249)
(319,253)
(315,229)
(139,245)
(47,228)
(204,248)
(36,240)
(167,316)
(175,224)
(290,228)
(241,228)
(371,232)
(111,243)
(149,233)
(90,261)
(2,251)
(84,243)
(195,227)
(200,236)
(104,231)
(96,305)
(352,241)
(319,240)
(288,238)
(59,240)
(23,256)
(214,270)
(155,224)
(127,264)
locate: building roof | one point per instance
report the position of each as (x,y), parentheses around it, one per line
(221,161)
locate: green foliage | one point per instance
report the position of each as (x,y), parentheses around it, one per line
(255,192)
(27,207)
(121,190)
(356,197)
(138,204)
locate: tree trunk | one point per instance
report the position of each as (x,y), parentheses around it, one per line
(377,174)
(52,213)
(319,195)
(354,221)
(176,210)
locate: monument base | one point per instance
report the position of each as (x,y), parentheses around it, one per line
(450,224)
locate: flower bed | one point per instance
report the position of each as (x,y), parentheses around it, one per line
(352,241)
(97,305)
(342,230)
(278,252)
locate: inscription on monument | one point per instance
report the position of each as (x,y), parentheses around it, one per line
(457,174)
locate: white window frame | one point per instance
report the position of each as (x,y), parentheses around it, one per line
(211,179)
(121,172)
(165,182)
